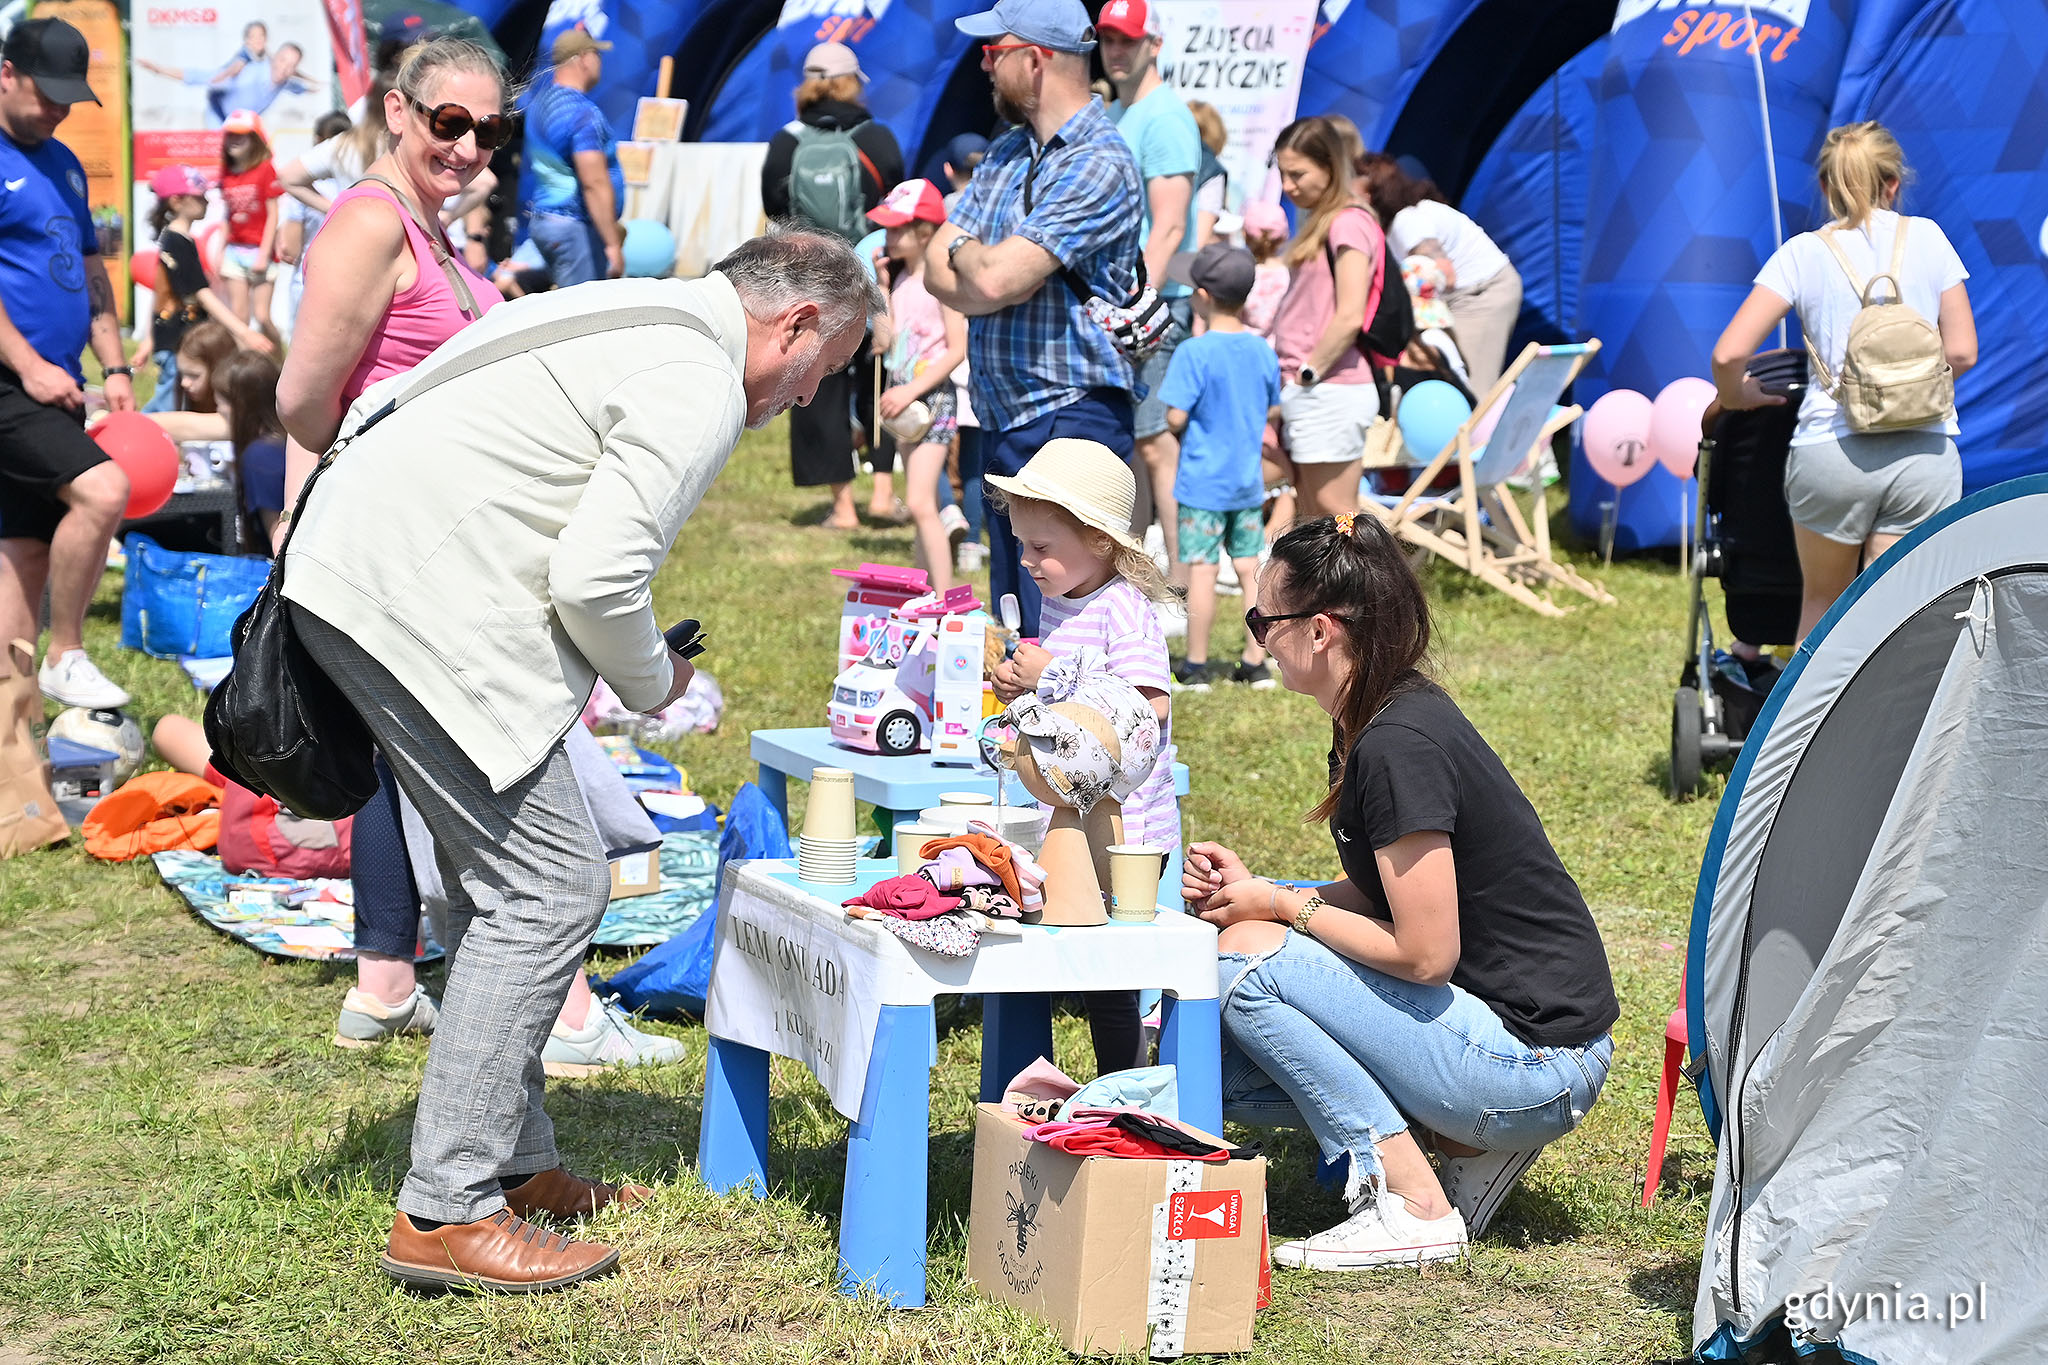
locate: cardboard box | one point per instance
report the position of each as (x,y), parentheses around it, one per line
(659,120)
(637,872)
(1109,1252)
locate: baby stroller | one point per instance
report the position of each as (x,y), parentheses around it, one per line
(1743,536)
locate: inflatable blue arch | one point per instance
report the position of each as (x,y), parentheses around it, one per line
(1638,159)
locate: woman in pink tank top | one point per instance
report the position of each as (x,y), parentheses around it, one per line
(383,289)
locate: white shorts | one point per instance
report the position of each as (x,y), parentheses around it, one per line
(239,263)
(1327,424)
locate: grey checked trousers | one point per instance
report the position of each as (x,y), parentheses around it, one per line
(527,884)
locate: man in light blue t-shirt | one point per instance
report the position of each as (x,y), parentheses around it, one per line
(1155,121)
(572,210)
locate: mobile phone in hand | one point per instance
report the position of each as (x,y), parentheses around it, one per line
(685,637)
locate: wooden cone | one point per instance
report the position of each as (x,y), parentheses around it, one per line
(1104,826)
(1073,888)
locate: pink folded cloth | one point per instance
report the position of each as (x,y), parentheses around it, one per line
(909,897)
(955,869)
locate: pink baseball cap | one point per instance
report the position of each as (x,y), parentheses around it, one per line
(1131,18)
(174,180)
(243,121)
(913,201)
(1263,218)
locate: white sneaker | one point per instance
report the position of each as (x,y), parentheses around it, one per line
(970,557)
(1381,1233)
(73,680)
(1478,1185)
(607,1039)
(955,522)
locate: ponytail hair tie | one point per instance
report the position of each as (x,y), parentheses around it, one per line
(1345,521)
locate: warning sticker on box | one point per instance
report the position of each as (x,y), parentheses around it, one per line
(1199,1214)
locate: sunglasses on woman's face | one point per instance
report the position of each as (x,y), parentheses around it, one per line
(448,122)
(1258,623)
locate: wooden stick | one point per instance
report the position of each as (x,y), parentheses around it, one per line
(663,77)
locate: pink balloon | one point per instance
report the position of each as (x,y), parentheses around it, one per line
(1675,423)
(1483,429)
(1617,437)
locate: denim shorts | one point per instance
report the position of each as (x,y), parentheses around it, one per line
(1151,415)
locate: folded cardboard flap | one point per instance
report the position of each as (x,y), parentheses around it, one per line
(1119,1255)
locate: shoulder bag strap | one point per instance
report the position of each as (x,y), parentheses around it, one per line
(464,299)
(516,342)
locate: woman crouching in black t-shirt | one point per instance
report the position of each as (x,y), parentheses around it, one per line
(1453,980)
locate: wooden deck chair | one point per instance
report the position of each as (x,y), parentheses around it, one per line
(1482,528)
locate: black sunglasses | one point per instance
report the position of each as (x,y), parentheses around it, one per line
(448,122)
(1258,623)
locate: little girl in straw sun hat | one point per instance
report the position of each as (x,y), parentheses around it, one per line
(1071,507)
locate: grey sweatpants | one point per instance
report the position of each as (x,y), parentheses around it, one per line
(527,884)
(1483,318)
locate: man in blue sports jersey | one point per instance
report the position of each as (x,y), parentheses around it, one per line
(578,189)
(61,498)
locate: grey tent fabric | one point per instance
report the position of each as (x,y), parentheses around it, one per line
(1876,975)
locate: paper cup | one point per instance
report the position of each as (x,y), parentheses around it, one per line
(1133,883)
(910,841)
(955,800)
(830,811)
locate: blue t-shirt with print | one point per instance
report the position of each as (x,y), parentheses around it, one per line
(561,122)
(1225,382)
(46,232)
(1164,139)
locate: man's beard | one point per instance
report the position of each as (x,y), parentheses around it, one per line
(1007,110)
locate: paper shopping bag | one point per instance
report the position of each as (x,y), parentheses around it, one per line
(29,817)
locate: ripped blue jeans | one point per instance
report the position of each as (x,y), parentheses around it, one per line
(1312,1039)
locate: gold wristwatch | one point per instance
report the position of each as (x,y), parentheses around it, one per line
(1307,913)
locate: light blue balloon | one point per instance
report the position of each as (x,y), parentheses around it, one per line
(650,249)
(866,248)
(1430,415)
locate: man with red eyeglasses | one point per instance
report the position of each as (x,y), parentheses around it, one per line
(1056,208)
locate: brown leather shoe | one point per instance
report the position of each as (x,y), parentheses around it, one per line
(564,1194)
(502,1252)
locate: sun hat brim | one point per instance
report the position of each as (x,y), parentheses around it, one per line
(1091,517)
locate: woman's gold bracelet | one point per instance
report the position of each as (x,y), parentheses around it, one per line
(1307,913)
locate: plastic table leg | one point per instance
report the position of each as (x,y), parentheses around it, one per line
(774,785)
(732,1140)
(888,1156)
(1016,1030)
(1191,1041)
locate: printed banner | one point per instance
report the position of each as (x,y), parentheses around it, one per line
(98,133)
(196,64)
(1245,58)
(351,49)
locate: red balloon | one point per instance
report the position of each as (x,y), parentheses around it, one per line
(142,267)
(146,453)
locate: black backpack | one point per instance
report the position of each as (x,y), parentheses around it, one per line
(1392,324)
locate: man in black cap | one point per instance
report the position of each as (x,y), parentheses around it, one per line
(61,498)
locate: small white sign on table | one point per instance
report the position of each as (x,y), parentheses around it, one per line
(786,984)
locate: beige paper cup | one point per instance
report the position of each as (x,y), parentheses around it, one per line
(955,800)
(1134,883)
(910,840)
(829,814)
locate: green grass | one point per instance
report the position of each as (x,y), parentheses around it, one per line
(190,1172)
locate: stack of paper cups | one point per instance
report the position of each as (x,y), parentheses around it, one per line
(1133,883)
(953,800)
(827,849)
(911,837)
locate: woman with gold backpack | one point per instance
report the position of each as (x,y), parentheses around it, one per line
(1888,327)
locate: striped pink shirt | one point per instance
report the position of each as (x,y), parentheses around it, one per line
(420,318)
(1118,620)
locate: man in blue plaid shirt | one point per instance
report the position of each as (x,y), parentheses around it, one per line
(1061,189)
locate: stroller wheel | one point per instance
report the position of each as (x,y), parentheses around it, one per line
(1685,743)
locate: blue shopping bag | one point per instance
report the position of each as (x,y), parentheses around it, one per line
(177,603)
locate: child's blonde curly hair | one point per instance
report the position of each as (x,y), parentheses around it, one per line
(1134,566)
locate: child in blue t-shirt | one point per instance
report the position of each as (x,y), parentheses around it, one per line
(1220,391)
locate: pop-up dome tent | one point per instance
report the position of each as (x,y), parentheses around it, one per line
(1868,969)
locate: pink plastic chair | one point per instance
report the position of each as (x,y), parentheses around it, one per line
(1667,1095)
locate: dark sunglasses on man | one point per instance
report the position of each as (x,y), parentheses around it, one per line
(448,123)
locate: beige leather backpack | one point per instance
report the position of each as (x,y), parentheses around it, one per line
(1894,373)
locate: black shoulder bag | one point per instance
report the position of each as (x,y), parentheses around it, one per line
(277,723)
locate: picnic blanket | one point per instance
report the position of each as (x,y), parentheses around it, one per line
(315,919)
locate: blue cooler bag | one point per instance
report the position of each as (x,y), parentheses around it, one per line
(174,603)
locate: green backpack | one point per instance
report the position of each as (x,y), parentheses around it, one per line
(825,181)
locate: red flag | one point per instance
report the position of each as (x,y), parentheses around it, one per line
(351,48)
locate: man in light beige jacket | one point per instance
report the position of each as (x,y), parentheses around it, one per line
(465,570)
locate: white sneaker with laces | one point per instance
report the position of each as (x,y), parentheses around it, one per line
(955,522)
(73,680)
(607,1039)
(1380,1233)
(1477,1186)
